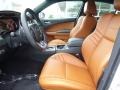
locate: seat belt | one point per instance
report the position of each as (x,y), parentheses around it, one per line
(80,13)
(113,63)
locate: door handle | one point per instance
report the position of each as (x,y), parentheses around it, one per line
(47,22)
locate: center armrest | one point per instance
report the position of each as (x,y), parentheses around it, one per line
(72,42)
(73,46)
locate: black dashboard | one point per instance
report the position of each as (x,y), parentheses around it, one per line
(9,23)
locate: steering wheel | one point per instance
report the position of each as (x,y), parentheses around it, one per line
(33,29)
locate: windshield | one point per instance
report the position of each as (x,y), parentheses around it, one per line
(18,5)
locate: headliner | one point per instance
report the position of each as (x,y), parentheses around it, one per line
(107,1)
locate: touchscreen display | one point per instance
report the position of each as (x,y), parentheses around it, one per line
(8,24)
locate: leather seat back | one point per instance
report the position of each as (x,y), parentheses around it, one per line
(97,47)
(85,24)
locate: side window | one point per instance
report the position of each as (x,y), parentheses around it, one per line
(103,8)
(61,10)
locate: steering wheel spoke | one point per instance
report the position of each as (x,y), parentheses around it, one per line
(33,29)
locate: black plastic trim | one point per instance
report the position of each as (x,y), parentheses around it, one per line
(64,31)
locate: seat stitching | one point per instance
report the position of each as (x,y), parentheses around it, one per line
(62,79)
(108,39)
(97,46)
(100,32)
(64,64)
(62,60)
(66,71)
(91,57)
(92,39)
(105,37)
(100,38)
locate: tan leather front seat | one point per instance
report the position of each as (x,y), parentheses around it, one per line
(85,25)
(64,71)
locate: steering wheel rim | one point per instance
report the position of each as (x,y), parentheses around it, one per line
(42,44)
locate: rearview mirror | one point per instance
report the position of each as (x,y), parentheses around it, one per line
(41,15)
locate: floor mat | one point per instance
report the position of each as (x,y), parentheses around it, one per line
(25,60)
(22,70)
(20,82)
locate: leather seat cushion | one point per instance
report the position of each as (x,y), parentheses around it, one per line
(63,71)
(56,42)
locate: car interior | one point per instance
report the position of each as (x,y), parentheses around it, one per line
(85,25)
(57,54)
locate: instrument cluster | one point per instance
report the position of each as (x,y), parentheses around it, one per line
(9,21)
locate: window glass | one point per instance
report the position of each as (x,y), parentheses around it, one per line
(19,5)
(103,8)
(61,10)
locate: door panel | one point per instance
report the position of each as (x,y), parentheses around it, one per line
(59,30)
(59,18)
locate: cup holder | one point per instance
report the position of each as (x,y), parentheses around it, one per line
(60,46)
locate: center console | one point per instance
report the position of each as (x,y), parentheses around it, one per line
(73,46)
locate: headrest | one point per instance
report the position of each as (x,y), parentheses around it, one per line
(90,8)
(117,4)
